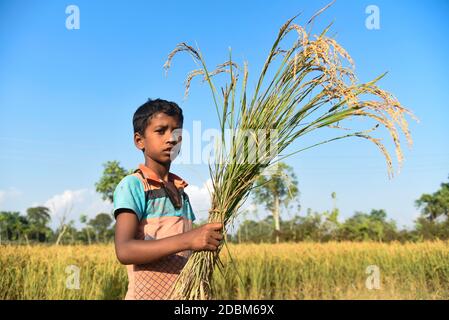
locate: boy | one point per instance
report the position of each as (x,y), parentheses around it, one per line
(153,233)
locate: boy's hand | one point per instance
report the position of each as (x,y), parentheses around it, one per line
(206,237)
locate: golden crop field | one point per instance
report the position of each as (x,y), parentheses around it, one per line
(265,271)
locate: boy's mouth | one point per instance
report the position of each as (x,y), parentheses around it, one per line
(168,151)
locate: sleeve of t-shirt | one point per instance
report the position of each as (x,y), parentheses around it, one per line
(129,194)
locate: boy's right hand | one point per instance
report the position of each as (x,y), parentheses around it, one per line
(206,237)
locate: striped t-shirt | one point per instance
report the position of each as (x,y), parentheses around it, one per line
(143,193)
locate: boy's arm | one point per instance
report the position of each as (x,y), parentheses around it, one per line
(132,251)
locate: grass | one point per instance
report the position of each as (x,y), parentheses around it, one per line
(267,271)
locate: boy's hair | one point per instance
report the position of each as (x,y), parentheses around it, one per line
(145,112)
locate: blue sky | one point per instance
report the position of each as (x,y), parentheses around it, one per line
(67,96)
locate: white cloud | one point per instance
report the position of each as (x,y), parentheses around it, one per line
(200,199)
(64,203)
(73,203)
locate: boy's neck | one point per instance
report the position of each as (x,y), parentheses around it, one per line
(160,169)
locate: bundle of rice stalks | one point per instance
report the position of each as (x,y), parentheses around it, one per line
(313,86)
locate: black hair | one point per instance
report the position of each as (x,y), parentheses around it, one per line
(145,112)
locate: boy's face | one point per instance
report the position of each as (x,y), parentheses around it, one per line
(162,139)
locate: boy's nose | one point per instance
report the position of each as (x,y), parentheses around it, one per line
(174,138)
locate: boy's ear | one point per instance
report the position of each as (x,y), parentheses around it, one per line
(139,141)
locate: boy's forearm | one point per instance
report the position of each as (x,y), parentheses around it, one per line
(146,251)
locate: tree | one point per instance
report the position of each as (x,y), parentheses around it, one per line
(256,231)
(112,174)
(3,225)
(276,191)
(100,224)
(63,226)
(38,218)
(431,229)
(331,223)
(67,233)
(436,204)
(13,225)
(83,219)
(373,226)
(309,228)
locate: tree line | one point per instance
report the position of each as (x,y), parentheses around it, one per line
(33,227)
(277,192)
(323,227)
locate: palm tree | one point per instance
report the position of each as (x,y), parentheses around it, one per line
(276,191)
(38,217)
